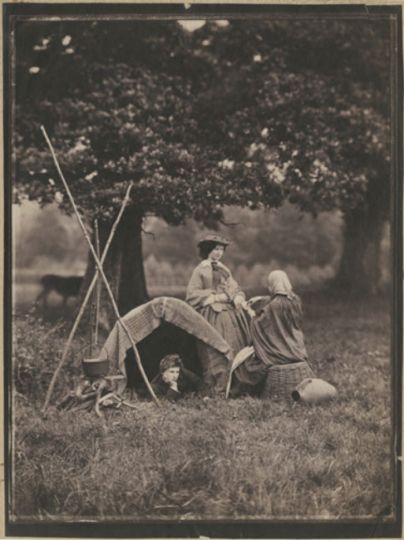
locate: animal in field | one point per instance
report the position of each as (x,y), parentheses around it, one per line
(65,286)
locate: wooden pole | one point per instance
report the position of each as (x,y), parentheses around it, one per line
(98,290)
(100,269)
(90,351)
(91,321)
(87,297)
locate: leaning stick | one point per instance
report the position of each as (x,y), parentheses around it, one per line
(87,297)
(100,269)
(98,290)
(91,318)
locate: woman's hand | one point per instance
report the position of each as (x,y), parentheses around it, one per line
(246,306)
(211,299)
(255,299)
(239,301)
(215,298)
(251,312)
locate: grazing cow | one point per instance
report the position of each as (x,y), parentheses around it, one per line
(65,286)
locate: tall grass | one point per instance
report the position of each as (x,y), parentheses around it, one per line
(244,458)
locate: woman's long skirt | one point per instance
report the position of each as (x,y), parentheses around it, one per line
(234,326)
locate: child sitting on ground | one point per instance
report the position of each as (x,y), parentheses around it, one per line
(174,380)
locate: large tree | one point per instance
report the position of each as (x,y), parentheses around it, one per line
(247,114)
(313,118)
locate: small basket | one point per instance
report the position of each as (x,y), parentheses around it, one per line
(95,367)
(282,380)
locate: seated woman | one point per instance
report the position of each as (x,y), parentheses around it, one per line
(173,380)
(275,330)
(214,293)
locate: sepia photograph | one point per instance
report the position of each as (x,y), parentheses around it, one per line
(203,284)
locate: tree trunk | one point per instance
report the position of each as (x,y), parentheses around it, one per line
(123,268)
(360,266)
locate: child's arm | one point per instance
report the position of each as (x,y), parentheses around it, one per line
(193,381)
(173,395)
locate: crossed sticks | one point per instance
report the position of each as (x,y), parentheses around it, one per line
(99,262)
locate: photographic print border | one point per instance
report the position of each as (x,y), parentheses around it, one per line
(216,528)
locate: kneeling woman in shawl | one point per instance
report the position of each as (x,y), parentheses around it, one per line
(275,331)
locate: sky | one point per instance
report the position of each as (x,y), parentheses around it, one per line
(194,24)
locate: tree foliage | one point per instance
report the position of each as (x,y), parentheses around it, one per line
(248,114)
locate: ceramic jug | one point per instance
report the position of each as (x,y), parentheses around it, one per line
(314,391)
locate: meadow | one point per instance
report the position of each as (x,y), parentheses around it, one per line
(211,459)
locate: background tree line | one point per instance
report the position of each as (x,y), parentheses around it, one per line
(249,114)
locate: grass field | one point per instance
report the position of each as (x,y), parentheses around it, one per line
(243,458)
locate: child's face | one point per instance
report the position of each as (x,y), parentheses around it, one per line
(171,374)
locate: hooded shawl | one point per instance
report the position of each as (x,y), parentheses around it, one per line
(276,331)
(278,283)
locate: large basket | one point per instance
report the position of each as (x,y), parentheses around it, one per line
(282,380)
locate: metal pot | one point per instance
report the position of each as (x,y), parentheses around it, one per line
(95,367)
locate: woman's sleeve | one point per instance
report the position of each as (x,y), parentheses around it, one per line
(196,293)
(233,289)
(258,305)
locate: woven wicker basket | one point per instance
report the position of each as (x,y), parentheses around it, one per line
(282,380)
